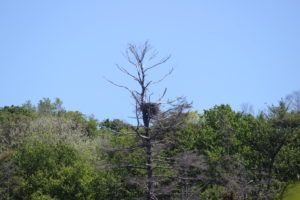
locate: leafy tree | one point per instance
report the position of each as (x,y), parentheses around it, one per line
(265,140)
(47,107)
(116,125)
(218,139)
(14,122)
(218,133)
(53,170)
(49,153)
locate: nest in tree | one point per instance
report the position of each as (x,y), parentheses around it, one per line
(151,109)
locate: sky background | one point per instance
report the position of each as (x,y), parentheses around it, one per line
(231,52)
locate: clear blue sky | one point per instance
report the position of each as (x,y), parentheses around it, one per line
(223,51)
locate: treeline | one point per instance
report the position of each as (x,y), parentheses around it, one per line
(48,153)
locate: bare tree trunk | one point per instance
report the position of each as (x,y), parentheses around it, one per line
(150,191)
(148,112)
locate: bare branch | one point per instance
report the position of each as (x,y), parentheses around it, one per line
(159,63)
(124,87)
(144,51)
(163,95)
(152,124)
(147,85)
(128,149)
(163,78)
(128,58)
(154,54)
(110,166)
(122,69)
(115,84)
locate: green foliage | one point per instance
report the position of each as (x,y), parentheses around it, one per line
(48,153)
(55,170)
(292,192)
(14,122)
(47,107)
(187,138)
(123,157)
(40,196)
(218,137)
(115,125)
(213,193)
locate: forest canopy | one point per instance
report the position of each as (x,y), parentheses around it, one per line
(48,152)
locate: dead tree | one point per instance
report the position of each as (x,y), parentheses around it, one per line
(154,118)
(293,101)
